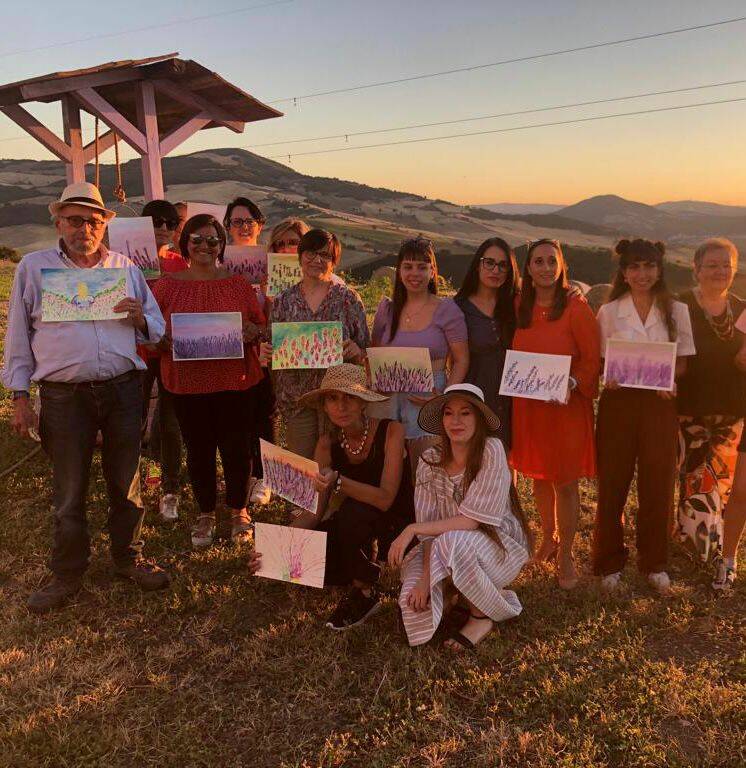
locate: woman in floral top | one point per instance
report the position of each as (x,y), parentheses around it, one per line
(315,298)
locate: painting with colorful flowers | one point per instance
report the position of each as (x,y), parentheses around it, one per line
(296,555)
(306,345)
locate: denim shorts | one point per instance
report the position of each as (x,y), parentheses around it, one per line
(400,408)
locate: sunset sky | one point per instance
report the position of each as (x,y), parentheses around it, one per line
(293,48)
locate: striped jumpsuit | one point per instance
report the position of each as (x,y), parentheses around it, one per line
(476,564)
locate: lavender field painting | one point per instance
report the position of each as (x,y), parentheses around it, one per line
(290,476)
(207,335)
(296,555)
(640,364)
(535,376)
(134,238)
(400,369)
(283,271)
(247,260)
(218,211)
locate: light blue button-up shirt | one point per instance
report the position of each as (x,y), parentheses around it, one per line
(92,350)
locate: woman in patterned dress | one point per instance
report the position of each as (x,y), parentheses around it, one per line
(472,534)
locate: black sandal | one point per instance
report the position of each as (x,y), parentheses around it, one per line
(464,641)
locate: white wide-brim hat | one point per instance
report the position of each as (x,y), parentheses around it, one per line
(82,193)
(431,414)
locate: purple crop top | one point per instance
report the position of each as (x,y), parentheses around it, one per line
(447,325)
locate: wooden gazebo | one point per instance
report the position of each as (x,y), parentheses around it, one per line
(152,104)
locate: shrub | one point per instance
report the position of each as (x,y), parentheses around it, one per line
(9,254)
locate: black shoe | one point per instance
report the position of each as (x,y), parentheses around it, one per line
(53,595)
(353,609)
(148,576)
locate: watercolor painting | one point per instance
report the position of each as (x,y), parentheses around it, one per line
(68,295)
(400,369)
(535,376)
(290,476)
(641,364)
(218,211)
(247,260)
(297,555)
(134,238)
(306,345)
(283,272)
(207,335)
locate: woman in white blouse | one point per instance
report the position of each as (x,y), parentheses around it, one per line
(638,426)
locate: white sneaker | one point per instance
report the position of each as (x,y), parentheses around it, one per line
(660,582)
(169,507)
(610,583)
(260,493)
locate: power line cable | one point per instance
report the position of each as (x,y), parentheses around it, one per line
(163,25)
(508,130)
(410,127)
(517,60)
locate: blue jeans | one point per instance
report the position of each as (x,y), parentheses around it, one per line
(71,416)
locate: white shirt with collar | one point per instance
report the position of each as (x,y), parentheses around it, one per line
(619,320)
(77,351)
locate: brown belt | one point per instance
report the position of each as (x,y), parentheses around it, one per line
(103,383)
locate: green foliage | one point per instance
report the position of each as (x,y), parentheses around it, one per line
(372,291)
(9,254)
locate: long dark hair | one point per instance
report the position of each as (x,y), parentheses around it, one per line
(506,293)
(631,251)
(528,292)
(474,457)
(416,249)
(197,222)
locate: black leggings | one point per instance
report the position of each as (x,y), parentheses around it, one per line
(218,421)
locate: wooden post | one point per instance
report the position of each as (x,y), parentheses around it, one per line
(75,168)
(147,117)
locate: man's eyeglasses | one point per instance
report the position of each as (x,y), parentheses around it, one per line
(159,221)
(492,264)
(286,244)
(78,221)
(238,223)
(211,240)
(317,256)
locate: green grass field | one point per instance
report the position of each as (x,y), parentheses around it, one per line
(227,670)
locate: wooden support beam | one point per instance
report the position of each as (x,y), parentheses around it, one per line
(198,104)
(98,106)
(147,117)
(37,130)
(47,88)
(105,141)
(75,167)
(182,132)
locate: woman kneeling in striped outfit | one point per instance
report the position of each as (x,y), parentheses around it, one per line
(472,533)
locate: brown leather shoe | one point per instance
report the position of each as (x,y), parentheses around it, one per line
(148,576)
(53,595)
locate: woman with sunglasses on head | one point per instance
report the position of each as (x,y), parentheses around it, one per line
(638,427)
(472,533)
(315,298)
(417,317)
(487,298)
(212,398)
(553,441)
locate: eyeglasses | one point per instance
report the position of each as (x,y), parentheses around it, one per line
(159,221)
(491,264)
(78,221)
(317,256)
(286,243)
(238,223)
(211,240)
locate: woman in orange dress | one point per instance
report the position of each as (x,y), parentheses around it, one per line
(553,442)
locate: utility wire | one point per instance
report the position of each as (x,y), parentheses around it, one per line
(350,134)
(501,62)
(509,130)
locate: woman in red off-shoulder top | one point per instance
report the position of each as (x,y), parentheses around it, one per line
(213,398)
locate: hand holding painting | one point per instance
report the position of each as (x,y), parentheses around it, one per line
(135,315)
(325,479)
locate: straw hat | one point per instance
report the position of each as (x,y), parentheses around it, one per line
(82,193)
(431,414)
(347,378)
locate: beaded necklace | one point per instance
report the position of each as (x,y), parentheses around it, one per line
(346,443)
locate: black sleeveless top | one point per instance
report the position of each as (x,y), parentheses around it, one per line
(369,471)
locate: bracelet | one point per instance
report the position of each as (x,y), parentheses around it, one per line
(338,483)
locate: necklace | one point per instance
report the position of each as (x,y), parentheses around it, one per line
(346,443)
(410,317)
(722,325)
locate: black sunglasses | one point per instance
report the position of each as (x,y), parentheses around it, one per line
(211,240)
(159,221)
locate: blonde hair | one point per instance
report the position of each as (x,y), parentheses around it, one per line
(288,225)
(715,244)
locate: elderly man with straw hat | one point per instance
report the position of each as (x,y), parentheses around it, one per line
(88,374)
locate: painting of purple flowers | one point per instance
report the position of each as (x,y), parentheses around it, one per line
(640,364)
(400,369)
(134,237)
(207,335)
(296,555)
(247,260)
(290,476)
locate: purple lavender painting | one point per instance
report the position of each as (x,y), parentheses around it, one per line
(640,364)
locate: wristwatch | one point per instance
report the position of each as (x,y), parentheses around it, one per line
(19,394)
